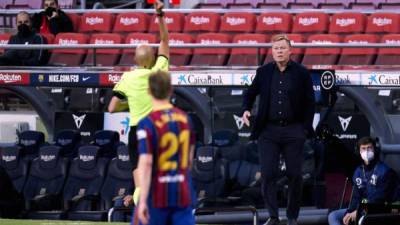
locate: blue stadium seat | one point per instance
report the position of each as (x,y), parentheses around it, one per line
(84,182)
(208,175)
(30,141)
(16,166)
(43,189)
(69,142)
(107,141)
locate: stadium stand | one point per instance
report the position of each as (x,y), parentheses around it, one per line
(180,56)
(247,56)
(380,23)
(305,4)
(75,19)
(107,141)
(16,165)
(47,174)
(197,22)
(233,22)
(358,56)
(211,56)
(343,23)
(244,4)
(69,142)
(322,56)
(310,23)
(274,22)
(30,142)
(135,38)
(104,57)
(389,56)
(174,22)
(92,22)
(129,22)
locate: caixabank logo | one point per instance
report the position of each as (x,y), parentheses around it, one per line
(201,79)
(382,79)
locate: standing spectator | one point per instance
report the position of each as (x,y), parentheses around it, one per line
(283,121)
(52,20)
(166,147)
(133,87)
(25,35)
(373,181)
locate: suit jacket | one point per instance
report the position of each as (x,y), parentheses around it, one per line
(302,98)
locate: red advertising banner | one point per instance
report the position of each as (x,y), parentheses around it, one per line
(11,78)
(109,79)
(174,2)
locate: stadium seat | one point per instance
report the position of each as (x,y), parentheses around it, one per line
(4,37)
(129,22)
(31,4)
(274,22)
(208,175)
(344,3)
(211,56)
(321,56)
(16,166)
(127,57)
(180,56)
(43,189)
(362,5)
(101,22)
(30,142)
(358,56)
(247,56)
(347,23)
(242,174)
(173,20)
(85,178)
(107,141)
(297,53)
(389,56)
(67,4)
(69,142)
(76,20)
(119,181)
(383,23)
(390,5)
(48,37)
(68,57)
(273,3)
(104,57)
(310,22)
(227,140)
(306,4)
(5,3)
(245,4)
(236,22)
(223,3)
(197,22)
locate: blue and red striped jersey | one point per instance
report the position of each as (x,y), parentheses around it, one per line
(167,135)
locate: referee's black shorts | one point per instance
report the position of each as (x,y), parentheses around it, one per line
(133,147)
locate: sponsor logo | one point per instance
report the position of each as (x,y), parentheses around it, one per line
(321,42)
(384,79)
(41,77)
(168,20)
(171,179)
(358,181)
(61,78)
(47,158)
(94,20)
(129,20)
(86,158)
(138,41)
(79,120)
(208,41)
(247,41)
(102,41)
(198,20)
(392,41)
(344,122)
(102,141)
(67,42)
(344,22)
(239,121)
(204,79)
(13,78)
(246,79)
(109,78)
(372,79)
(9,158)
(27,142)
(234,21)
(175,41)
(381,21)
(205,159)
(3,42)
(123,158)
(85,78)
(64,141)
(308,21)
(272,20)
(343,79)
(327,80)
(357,42)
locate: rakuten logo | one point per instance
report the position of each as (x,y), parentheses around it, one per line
(174,41)
(345,22)
(10,78)
(392,41)
(208,41)
(247,42)
(94,20)
(272,20)
(3,42)
(129,20)
(321,42)
(168,20)
(138,41)
(114,78)
(102,41)
(234,21)
(357,42)
(198,20)
(381,21)
(67,42)
(308,21)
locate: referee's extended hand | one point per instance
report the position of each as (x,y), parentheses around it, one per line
(158,5)
(245,117)
(143,213)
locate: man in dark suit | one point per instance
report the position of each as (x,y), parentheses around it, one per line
(283,121)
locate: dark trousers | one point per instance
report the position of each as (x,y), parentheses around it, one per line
(288,141)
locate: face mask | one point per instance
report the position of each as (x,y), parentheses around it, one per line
(49,11)
(367,156)
(24,30)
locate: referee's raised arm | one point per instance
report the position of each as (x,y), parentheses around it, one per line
(164,45)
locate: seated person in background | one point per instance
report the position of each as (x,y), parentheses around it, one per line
(52,19)
(373,181)
(10,200)
(25,35)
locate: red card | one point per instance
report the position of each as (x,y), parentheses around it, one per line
(175,2)
(151,1)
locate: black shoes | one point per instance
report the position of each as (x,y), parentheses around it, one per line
(272,221)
